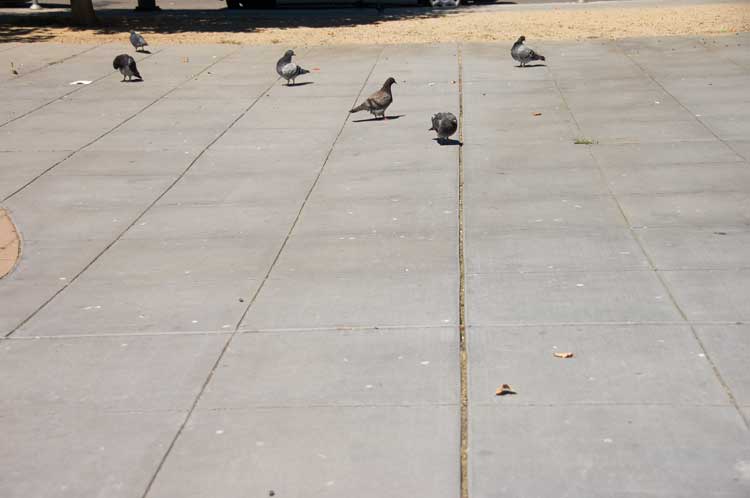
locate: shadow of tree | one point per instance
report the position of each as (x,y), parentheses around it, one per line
(34,28)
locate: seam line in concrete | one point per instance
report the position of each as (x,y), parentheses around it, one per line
(142,213)
(74,90)
(652,266)
(304,201)
(696,118)
(375,329)
(117,126)
(462,340)
(55,62)
(256,293)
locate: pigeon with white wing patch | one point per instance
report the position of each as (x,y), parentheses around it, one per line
(524,54)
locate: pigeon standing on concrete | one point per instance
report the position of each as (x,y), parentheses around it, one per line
(138,41)
(126,65)
(288,69)
(445,124)
(524,54)
(379,101)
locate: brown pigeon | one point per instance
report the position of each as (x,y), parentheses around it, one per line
(379,101)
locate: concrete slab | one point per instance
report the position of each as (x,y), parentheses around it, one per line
(590,451)
(22,167)
(532,250)
(388,300)
(368,254)
(695,209)
(395,367)
(49,222)
(139,305)
(688,248)
(184,261)
(613,364)
(727,345)
(713,177)
(514,183)
(21,300)
(156,373)
(383,216)
(316,452)
(126,162)
(650,154)
(709,295)
(526,157)
(565,297)
(72,453)
(492,214)
(211,221)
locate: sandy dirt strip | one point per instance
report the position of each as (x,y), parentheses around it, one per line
(558,22)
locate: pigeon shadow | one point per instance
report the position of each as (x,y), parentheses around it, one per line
(448,141)
(143,51)
(532,65)
(132,81)
(304,83)
(387,118)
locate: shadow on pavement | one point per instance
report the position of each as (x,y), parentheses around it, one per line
(20,27)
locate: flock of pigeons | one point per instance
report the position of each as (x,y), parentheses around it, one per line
(444,124)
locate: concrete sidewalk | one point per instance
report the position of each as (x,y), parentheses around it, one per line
(228,286)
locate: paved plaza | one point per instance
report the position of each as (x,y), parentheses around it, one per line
(232,288)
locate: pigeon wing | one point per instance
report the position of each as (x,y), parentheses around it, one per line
(290,70)
(133,68)
(379,100)
(524,52)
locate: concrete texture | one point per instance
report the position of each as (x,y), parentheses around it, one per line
(230,287)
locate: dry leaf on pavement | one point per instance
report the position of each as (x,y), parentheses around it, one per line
(563,355)
(504,390)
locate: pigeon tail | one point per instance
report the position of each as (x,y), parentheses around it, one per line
(360,107)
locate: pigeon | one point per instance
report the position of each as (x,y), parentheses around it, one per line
(379,101)
(126,65)
(137,40)
(445,124)
(524,54)
(288,69)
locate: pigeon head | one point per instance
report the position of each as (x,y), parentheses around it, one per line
(289,53)
(132,31)
(389,82)
(521,39)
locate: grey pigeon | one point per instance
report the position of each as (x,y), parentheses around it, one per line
(137,40)
(379,101)
(524,54)
(288,69)
(445,124)
(126,65)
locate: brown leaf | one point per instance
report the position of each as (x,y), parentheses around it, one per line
(504,390)
(537,114)
(563,355)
